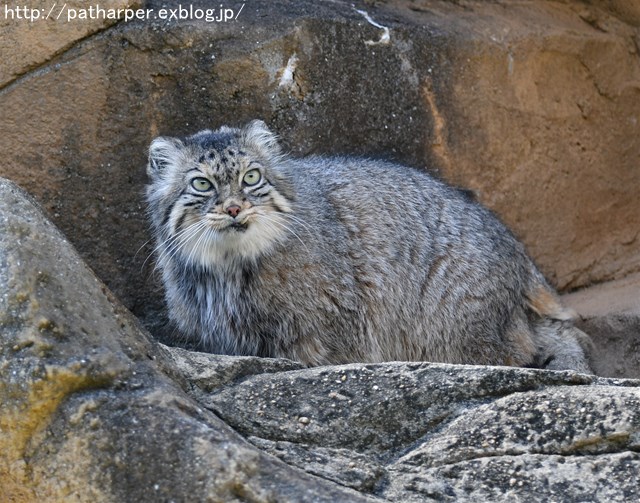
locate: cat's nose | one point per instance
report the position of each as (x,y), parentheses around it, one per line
(233,210)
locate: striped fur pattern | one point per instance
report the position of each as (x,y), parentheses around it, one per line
(328,260)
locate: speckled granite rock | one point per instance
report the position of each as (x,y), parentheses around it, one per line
(414,432)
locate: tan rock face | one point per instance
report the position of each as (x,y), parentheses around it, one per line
(535,106)
(542,117)
(33,33)
(629,10)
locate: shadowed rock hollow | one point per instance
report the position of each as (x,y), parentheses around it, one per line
(533,105)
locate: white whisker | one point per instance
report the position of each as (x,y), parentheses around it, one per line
(195,248)
(276,221)
(141,247)
(299,220)
(176,243)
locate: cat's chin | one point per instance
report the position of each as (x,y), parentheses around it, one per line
(233,244)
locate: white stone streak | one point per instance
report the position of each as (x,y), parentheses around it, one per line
(385,38)
(287,74)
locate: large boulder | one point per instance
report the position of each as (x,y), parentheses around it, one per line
(419,431)
(93,409)
(534,105)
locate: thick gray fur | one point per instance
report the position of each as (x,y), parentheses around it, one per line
(339,259)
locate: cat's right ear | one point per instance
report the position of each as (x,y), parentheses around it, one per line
(258,136)
(163,152)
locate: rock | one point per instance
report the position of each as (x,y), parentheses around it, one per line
(32,36)
(208,374)
(411,432)
(534,106)
(623,9)
(621,297)
(93,409)
(610,313)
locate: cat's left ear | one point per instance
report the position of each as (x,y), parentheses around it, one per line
(163,152)
(258,136)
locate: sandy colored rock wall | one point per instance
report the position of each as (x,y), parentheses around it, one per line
(34,33)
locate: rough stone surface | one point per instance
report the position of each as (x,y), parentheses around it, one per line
(422,432)
(33,33)
(610,313)
(533,104)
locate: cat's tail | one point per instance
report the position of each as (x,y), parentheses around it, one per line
(560,344)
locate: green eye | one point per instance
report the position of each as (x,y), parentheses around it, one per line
(201,184)
(251,177)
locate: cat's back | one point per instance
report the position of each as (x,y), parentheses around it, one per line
(374,192)
(384,200)
(362,178)
(400,229)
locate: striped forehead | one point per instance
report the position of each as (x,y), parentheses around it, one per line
(224,164)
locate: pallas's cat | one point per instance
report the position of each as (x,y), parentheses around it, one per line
(329,260)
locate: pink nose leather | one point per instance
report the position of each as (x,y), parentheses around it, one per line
(233,210)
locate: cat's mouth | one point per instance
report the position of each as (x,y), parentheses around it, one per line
(236,227)
(224,224)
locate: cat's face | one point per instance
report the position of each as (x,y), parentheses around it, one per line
(217,197)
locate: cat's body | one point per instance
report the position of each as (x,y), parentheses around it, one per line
(336,260)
